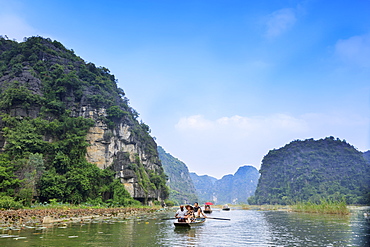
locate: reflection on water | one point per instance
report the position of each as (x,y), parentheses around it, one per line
(246,228)
(288,229)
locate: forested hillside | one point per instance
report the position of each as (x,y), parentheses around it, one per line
(230,188)
(311,170)
(67,131)
(181,186)
(204,186)
(367,156)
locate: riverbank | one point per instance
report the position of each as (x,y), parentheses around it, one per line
(324,207)
(31,217)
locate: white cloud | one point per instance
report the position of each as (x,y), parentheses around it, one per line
(15,27)
(354,50)
(196,122)
(220,146)
(244,124)
(280,21)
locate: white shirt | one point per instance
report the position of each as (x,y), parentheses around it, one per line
(180,213)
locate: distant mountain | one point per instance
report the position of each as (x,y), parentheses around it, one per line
(182,189)
(204,186)
(310,170)
(230,188)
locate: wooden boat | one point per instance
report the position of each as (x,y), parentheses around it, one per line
(207,211)
(197,221)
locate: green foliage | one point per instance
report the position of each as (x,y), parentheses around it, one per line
(8,180)
(7,202)
(323,207)
(169,203)
(181,186)
(115,112)
(45,156)
(311,170)
(18,95)
(120,195)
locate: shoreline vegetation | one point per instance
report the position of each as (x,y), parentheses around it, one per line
(68,214)
(323,207)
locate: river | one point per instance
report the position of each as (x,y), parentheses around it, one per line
(245,228)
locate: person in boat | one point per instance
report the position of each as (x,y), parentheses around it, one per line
(207,207)
(181,214)
(198,211)
(190,216)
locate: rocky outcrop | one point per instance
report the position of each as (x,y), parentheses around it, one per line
(313,170)
(56,79)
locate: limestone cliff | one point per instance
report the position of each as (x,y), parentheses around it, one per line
(312,170)
(232,189)
(54,82)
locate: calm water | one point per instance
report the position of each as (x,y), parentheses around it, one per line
(246,228)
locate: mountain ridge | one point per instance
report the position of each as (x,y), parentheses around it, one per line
(231,188)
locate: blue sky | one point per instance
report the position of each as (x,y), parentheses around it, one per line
(220,83)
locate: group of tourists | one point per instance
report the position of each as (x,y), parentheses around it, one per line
(189,213)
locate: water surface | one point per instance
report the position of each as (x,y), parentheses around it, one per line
(246,228)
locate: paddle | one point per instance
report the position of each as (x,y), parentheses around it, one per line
(206,218)
(217,218)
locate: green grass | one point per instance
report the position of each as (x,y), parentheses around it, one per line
(324,207)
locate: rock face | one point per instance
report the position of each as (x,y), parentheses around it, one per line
(233,189)
(204,186)
(312,170)
(119,148)
(182,189)
(237,188)
(59,81)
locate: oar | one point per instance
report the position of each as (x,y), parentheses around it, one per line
(217,218)
(168,219)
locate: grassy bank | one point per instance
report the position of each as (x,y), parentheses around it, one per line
(324,207)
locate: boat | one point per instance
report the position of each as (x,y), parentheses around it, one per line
(198,221)
(207,211)
(225,207)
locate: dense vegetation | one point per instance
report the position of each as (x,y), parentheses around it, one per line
(322,207)
(181,186)
(42,84)
(313,170)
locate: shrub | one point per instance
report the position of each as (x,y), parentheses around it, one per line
(7,202)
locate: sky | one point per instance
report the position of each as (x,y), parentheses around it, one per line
(222,82)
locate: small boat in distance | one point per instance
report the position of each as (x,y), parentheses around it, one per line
(207,209)
(197,221)
(226,207)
